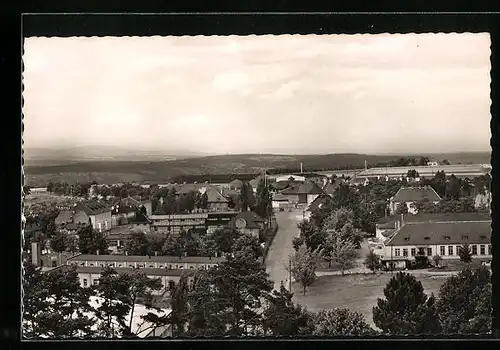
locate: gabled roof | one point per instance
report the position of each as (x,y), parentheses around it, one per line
(281,185)
(159,258)
(280,197)
(255,181)
(140,218)
(65,216)
(330,187)
(214,196)
(251,218)
(443,233)
(416,194)
(92,207)
(309,187)
(317,203)
(439,217)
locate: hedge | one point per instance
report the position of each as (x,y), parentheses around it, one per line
(270,234)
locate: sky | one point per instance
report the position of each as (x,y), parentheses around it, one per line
(291,94)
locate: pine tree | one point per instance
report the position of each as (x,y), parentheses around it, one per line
(406,309)
(282,317)
(464,302)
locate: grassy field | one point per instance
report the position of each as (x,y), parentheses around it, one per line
(355,292)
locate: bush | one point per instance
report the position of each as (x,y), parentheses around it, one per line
(421,262)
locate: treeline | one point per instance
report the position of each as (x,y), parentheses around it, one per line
(66,189)
(213,178)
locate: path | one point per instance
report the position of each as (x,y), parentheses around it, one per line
(282,247)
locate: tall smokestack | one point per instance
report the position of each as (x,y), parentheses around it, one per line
(301,168)
(366,166)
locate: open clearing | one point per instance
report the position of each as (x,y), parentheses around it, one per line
(355,292)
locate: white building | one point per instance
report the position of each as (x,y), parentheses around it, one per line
(443,238)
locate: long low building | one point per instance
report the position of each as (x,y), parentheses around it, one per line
(459,170)
(175,223)
(153,262)
(443,238)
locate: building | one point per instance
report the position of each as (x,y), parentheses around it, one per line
(330,187)
(135,203)
(437,237)
(248,222)
(216,201)
(280,201)
(164,267)
(432,163)
(291,178)
(92,212)
(459,170)
(410,195)
(305,193)
(219,220)
(175,223)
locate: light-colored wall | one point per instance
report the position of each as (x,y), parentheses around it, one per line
(149,208)
(103,218)
(436,250)
(145,263)
(311,198)
(218,206)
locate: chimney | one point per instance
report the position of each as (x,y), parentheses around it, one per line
(36,253)
(402,219)
(97,252)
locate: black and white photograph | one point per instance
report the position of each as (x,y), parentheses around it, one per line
(256,186)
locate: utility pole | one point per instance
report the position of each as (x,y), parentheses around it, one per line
(290,274)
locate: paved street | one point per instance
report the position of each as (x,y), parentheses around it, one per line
(282,247)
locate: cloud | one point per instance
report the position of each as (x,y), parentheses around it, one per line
(237,94)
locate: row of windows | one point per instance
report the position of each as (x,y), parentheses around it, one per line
(442,250)
(143,265)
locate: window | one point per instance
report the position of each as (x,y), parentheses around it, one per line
(489,249)
(96,282)
(450,250)
(407,238)
(397,252)
(130,265)
(121,265)
(421,251)
(413,251)
(191,267)
(54,263)
(429,251)
(112,264)
(465,237)
(482,249)
(85,282)
(151,266)
(474,249)
(91,264)
(405,252)
(442,250)
(482,237)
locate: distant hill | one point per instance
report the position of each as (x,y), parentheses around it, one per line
(63,156)
(161,171)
